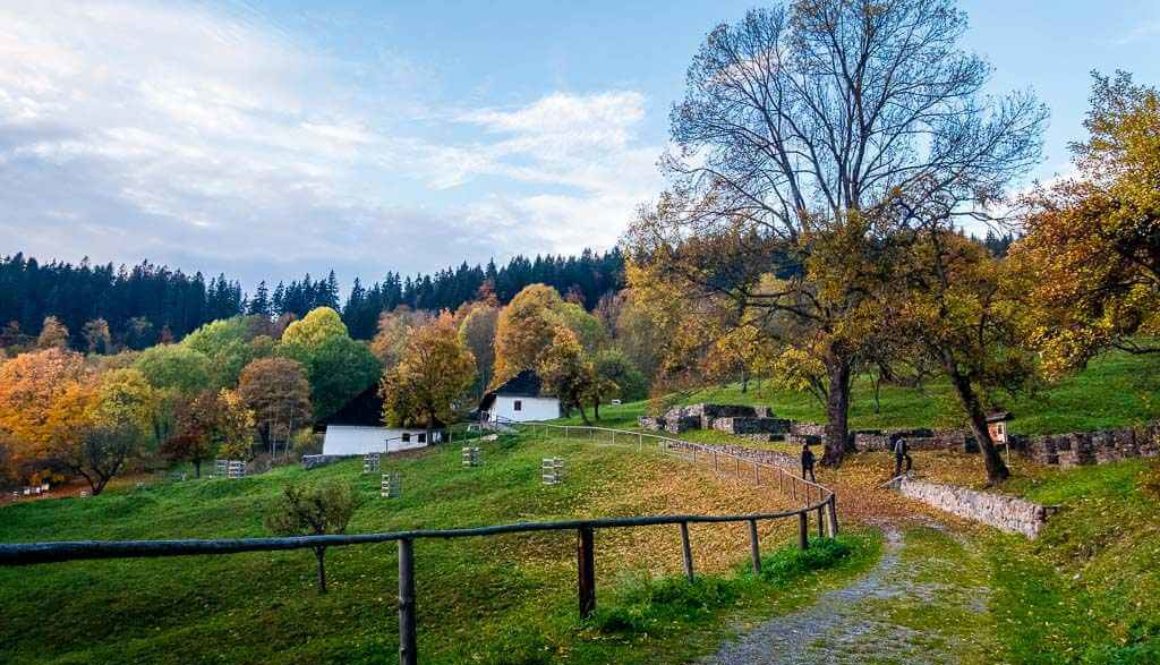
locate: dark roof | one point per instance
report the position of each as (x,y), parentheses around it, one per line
(525,384)
(999,416)
(366,409)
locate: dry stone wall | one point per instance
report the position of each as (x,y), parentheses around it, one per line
(1082,448)
(1006,513)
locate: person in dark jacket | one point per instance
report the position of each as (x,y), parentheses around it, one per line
(901,452)
(808,462)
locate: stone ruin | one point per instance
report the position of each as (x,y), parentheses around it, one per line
(1082,448)
(751,422)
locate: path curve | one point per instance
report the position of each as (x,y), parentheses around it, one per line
(859,623)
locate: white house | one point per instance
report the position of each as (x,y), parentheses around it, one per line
(363,439)
(356,429)
(519,400)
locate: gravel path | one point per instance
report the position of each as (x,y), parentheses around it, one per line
(848,625)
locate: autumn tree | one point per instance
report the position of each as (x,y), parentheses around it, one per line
(805,121)
(313,510)
(211,423)
(433,376)
(1093,239)
(394,328)
(566,373)
(97,336)
(477,332)
(525,329)
(31,386)
(964,309)
(277,392)
(53,334)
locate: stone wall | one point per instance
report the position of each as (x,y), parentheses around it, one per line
(314,461)
(1082,448)
(917,439)
(1006,513)
(751,425)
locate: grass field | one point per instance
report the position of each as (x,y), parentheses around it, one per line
(1116,389)
(503,600)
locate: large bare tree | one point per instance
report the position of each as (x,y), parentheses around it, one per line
(801,127)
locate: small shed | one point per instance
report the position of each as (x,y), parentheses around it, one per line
(997,426)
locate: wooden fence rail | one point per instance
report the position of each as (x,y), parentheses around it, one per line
(21,554)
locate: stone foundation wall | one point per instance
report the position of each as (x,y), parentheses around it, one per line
(1006,513)
(917,439)
(751,425)
(1082,448)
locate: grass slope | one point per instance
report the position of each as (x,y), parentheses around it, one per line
(1088,590)
(1116,389)
(503,600)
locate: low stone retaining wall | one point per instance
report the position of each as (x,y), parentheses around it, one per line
(770,457)
(916,439)
(1006,513)
(1080,448)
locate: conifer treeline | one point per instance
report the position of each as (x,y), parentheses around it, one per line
(147,303)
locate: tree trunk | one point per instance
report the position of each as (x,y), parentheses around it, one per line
(197,468)
(837,409)
(596,408)
(997,471)
(583,416)
(320,554)
(744,382)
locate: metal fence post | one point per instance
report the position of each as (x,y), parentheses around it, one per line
(408,653)
(754,547)
(586,571)
(687,550)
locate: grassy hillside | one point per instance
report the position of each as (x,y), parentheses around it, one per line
(1088,590)
(1116,389)
(509,600)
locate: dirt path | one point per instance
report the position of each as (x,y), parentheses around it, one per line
(920,604)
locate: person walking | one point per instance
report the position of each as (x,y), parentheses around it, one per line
(901,452)
(808,462)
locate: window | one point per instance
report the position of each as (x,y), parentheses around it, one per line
(519,405)
(406,437)
(423,437)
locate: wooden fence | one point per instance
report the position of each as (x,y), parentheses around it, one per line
(823,504)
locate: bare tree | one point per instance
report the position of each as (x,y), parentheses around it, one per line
(800,127)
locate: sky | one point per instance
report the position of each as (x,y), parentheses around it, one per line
(267,140)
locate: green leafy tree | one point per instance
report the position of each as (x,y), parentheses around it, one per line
(175,367)
(338,367)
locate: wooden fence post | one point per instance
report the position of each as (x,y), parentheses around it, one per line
(821,522)
(687,550)
(757,474)
(586,571)
(408,654)
(804,530)
(754,547)
(833,517)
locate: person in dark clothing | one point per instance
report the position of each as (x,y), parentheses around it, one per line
(901,452)
(808,462)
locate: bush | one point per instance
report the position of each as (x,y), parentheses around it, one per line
(791,562)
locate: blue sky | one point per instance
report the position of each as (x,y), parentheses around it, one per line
(271,139)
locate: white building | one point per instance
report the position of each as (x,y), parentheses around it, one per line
(519,400)
(362,439)
(357,429)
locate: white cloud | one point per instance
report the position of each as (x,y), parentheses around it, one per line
(134,129)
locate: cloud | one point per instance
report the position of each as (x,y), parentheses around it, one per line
(213,140)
